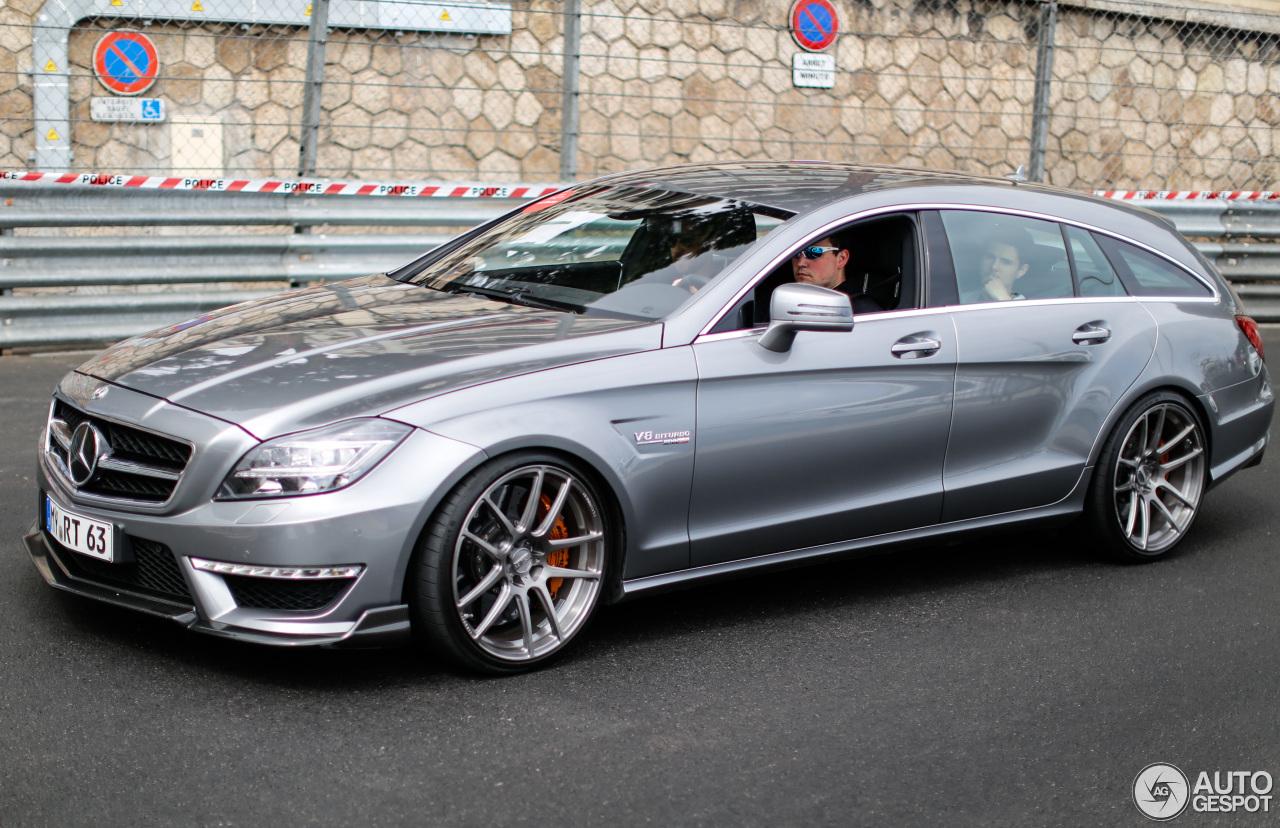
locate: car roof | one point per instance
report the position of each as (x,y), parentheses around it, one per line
(796,186)
(802,186)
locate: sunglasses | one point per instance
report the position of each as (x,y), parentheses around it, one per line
(815,251)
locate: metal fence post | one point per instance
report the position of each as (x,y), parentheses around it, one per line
(317,36)
(1044,72)
(569,105)
(6,231)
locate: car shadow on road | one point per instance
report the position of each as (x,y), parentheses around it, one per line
(637,626)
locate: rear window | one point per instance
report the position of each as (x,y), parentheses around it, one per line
(1145,274)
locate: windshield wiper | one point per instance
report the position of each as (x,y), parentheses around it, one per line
(515,297)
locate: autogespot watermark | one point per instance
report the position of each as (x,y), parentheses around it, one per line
(1162,791)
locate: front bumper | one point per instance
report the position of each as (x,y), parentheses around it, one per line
(383,627)
(373,524)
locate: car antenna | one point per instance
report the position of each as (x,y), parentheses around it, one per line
(1019,176)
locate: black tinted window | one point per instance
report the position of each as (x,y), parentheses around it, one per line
(1146,274)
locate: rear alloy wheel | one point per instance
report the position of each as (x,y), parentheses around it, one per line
(1151,479)
(513,565)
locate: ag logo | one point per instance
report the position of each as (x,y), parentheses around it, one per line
(1161,792)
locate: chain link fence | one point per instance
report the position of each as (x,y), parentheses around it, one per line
(1100,94)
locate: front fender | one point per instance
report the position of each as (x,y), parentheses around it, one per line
(630,418)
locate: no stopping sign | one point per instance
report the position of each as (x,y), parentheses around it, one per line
(814,24)
(126,62)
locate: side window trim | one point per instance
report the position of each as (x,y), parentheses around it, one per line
(939,272)
(1071,259)
(1118,264)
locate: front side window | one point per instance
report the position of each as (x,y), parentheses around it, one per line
(1001,258)
(875,262)
(614,251)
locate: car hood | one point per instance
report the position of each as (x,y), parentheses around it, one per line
(354,348)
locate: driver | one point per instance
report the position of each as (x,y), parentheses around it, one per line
(822,264)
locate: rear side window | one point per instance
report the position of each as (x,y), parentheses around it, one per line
(1145,274)
(1093,271)
(1000,258)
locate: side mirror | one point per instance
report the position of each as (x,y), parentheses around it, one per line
(800,307)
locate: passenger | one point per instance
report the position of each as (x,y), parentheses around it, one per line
(822,264)
(692,268)
(1004,262)
(686,249)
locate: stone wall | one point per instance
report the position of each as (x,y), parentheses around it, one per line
(1136,102)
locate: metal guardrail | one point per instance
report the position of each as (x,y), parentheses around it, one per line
(74,271)
(1241,238)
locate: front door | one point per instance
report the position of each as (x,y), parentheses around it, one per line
(841,437)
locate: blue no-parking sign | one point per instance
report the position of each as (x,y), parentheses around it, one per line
(126,62)
(814,24)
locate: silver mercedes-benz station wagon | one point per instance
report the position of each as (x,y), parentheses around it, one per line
(645,380)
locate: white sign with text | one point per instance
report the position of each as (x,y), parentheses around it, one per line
(817,71)
(127,110)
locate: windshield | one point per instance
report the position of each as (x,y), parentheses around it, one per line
(612,251)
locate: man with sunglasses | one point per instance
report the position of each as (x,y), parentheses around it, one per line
(822,264)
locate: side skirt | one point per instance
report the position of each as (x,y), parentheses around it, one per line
(1055,514)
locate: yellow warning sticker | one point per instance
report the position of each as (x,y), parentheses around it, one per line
(307,12)
(116,3)
(51,67)
(444,15)
(52,136)
(196,6)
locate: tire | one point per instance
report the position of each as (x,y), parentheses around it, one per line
(513,564)
(1150,479)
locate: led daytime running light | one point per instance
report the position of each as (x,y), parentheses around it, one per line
(286,573)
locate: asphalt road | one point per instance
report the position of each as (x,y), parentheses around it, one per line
(1017,681)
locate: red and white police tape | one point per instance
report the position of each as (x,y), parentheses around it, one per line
(451,190)
(1190,195)
(271,185)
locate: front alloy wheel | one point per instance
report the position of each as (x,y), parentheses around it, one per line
(514,564)
(1154,474)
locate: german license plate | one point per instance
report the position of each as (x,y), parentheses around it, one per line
(79,533)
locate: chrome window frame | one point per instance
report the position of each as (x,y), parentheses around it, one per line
(831,226)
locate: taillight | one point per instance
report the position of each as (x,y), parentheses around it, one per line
(1250,329)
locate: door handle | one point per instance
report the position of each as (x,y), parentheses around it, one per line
(1086,334)
(914,347)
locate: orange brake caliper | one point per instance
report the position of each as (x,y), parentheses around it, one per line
(560,557)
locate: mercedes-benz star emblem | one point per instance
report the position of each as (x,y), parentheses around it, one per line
(85,452)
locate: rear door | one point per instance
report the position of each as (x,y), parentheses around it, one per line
(1037,374)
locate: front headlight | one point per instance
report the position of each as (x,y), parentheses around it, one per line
(311,462)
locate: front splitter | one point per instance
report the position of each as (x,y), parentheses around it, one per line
(379,627)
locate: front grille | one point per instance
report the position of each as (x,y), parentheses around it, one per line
(151,462)
(154,571)
(309,595)
(132,486)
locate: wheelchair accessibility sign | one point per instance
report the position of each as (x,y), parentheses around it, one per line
(126,62)
(127,110)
